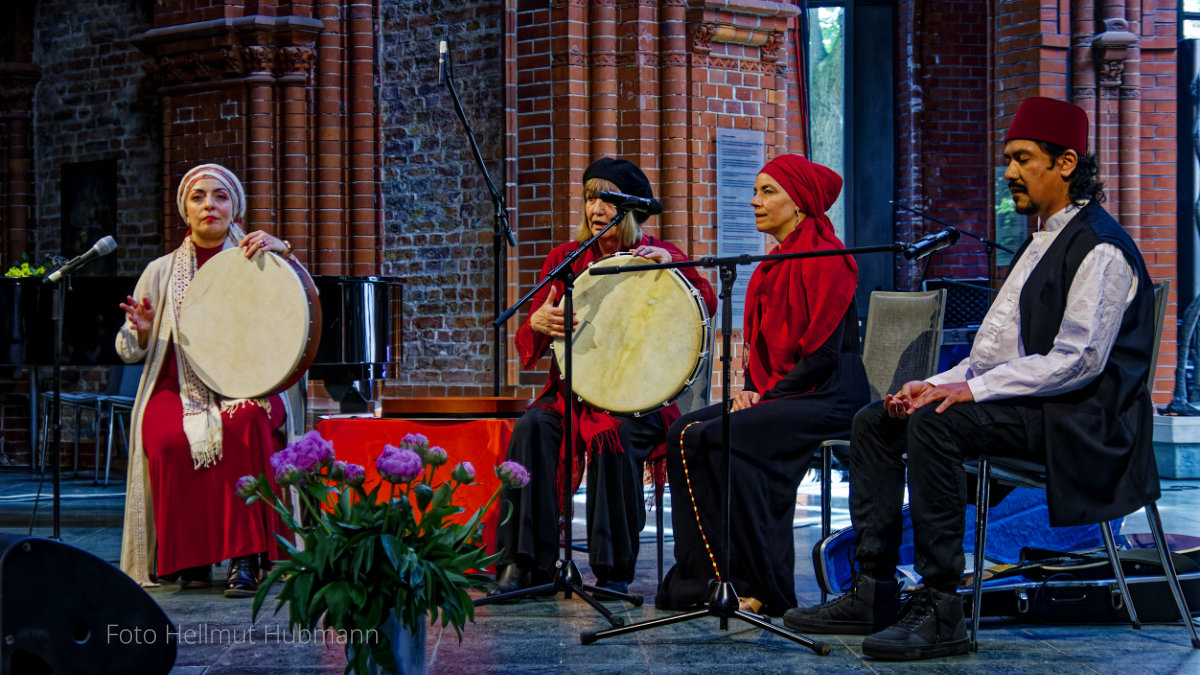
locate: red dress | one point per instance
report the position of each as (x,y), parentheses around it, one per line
(198,518)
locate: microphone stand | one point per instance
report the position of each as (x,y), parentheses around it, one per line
(568,580)
(56,317)
(501,232)
(723,602)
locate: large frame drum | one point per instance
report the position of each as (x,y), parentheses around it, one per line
(249,326)
(641,339)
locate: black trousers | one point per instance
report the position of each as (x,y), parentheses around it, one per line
(616,507)
(931,446)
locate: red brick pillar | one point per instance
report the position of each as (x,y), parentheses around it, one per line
(261,162)
(297,200)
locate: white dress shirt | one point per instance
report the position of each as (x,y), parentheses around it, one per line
(998,366)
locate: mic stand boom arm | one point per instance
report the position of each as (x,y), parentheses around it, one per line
(500,232)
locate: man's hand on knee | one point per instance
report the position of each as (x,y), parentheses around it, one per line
(900,404)
(947,394)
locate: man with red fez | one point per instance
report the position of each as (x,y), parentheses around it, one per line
(616,446)
(1056,374)
(804,381)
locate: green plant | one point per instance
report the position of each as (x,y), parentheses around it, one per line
(363,553)
(25,269)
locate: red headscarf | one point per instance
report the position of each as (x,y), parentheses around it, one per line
(793,306)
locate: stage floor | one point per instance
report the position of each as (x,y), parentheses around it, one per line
(542,635)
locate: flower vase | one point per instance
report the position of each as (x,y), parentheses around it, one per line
(408,648)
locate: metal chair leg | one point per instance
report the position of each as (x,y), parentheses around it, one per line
(826,497)
(1110,545)
(658,525)
(1160,540)
(982,495)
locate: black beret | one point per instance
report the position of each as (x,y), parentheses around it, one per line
(623,173)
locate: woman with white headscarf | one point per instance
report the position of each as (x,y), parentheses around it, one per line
(188,445)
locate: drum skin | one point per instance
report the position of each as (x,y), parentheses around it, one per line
(249,326)
(641,337)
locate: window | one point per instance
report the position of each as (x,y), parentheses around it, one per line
(1189,16)
(827,86)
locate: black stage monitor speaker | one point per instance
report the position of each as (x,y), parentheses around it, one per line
(65,611)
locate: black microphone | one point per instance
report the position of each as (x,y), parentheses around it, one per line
(930,243)
(645,205)
(103,247)
(443,62)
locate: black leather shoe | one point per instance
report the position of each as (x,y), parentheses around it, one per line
(196,577)
(243,577)
(513,578)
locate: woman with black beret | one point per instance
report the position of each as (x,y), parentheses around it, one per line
(613,446)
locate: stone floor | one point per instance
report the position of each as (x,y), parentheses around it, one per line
(543,635)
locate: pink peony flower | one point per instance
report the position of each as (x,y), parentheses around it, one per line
(512,474)
(246,486)
(436,456)
(398,465)
(310,452)
(463,473)
(289,474)
(355,474)
(418,443)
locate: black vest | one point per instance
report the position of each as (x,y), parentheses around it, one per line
(1099,452)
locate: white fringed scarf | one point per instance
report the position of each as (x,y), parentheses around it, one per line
(202,407)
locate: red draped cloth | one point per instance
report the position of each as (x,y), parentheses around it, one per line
(198,518)
(793,306)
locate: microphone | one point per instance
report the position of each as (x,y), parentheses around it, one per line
(930,243)
(443,62)
(103,247)
(644,205)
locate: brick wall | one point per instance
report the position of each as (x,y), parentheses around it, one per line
(944,150)
(438,215)
(95,101)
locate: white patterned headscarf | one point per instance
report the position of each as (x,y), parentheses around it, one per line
(227,180)
(201,406)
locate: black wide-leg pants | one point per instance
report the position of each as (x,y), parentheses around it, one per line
(616,508)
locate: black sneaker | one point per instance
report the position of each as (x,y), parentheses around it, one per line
(868,606)
(932,627)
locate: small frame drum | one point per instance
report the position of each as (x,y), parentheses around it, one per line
(249,326)
(641,340)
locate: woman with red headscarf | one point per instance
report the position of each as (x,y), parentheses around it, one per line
(804,380)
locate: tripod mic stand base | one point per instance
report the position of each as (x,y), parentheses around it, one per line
(723,604)
(568,580)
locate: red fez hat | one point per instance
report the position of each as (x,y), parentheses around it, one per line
(1050,120)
